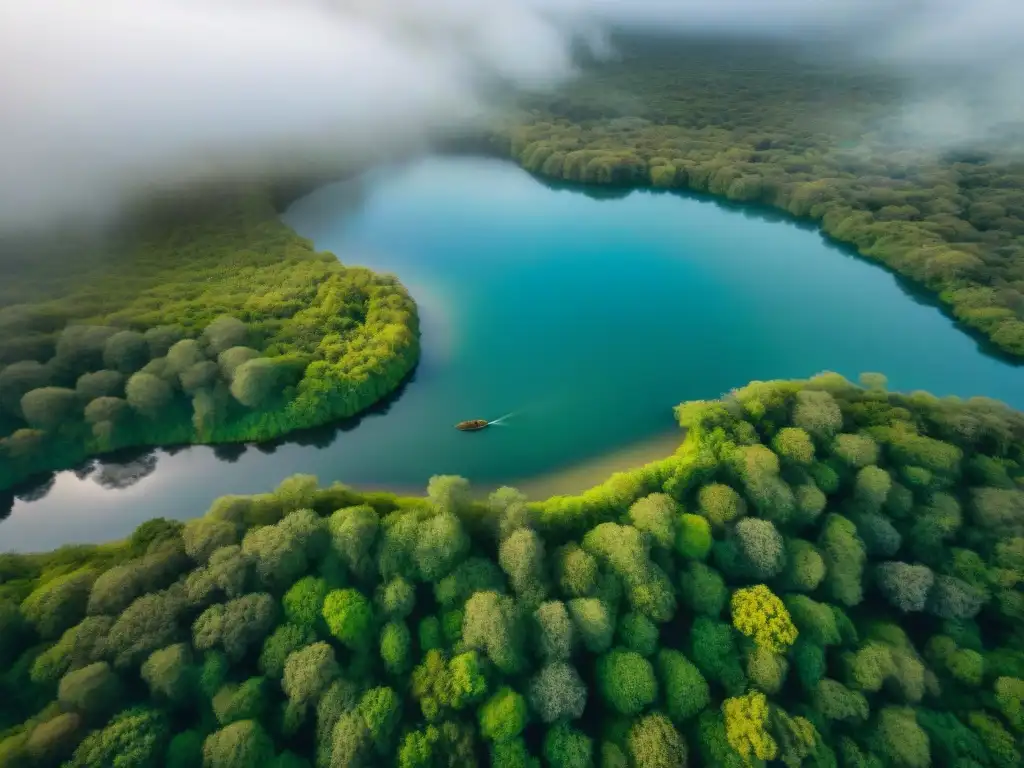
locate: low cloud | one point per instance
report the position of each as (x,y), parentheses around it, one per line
(109,99)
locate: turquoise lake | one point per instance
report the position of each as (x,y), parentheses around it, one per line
(585,317)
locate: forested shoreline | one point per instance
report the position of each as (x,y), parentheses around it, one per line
(823,574)
(756,126)
(216,326)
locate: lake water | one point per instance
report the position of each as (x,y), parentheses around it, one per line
(585,317)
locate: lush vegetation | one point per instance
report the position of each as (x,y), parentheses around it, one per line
(754,126)
(216,327)
(822,575)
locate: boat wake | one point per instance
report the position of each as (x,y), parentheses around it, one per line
(500,421)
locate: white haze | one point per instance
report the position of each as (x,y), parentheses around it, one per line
(107,99)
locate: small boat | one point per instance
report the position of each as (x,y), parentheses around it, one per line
(472,425)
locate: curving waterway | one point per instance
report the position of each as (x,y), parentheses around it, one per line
(584,316)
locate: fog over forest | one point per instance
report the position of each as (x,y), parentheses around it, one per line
(107,99)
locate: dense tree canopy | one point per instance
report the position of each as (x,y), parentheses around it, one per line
(213,326)
(324,627)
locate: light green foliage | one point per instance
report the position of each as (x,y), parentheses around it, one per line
(685,690)
(148,395)
(170,674)
(81,645)
(396,647)
(346,684)
(761,546)
(492,624)
(235,625)
(810,502)
(349,617)
(871,486)
(758,468)
(626,681)
(805,567)
(396,598)
(554,631)
(837,702)
(720,504)
(591,620)
(703,589)
(243,744)
(379,708)
(694,537)
(440,545)
(856,450)
(503,716)
(204,536)
(793,445)
(766,670)
(241,701)
(284,640)
(134,738)
(303,602)
(1009,693)
(557,692)
(521,556)
(818,413)
(1000,744)
(52,741)
(438,683)
(353,532)
(91,690)
(308,671)
(844,557)
(898,736)
(654,741)
(655,515)
(565,747)
(575,571)
(59,604)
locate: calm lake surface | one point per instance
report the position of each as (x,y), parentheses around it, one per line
(586,318)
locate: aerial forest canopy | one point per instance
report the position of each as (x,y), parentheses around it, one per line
(211,327)
(822,575)
(750,124)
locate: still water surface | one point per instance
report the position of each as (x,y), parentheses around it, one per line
(586,318)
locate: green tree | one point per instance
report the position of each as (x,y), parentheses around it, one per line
(565,747)
(554,630)
(654,741)
(308,672)
(395,647)
(149,395)
(685,690)
(135,738)
(557,692)
(243,744)
(655,515)
(626,681)
(503,716)
(349,617)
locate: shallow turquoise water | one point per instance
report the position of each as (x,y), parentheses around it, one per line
(587,319)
